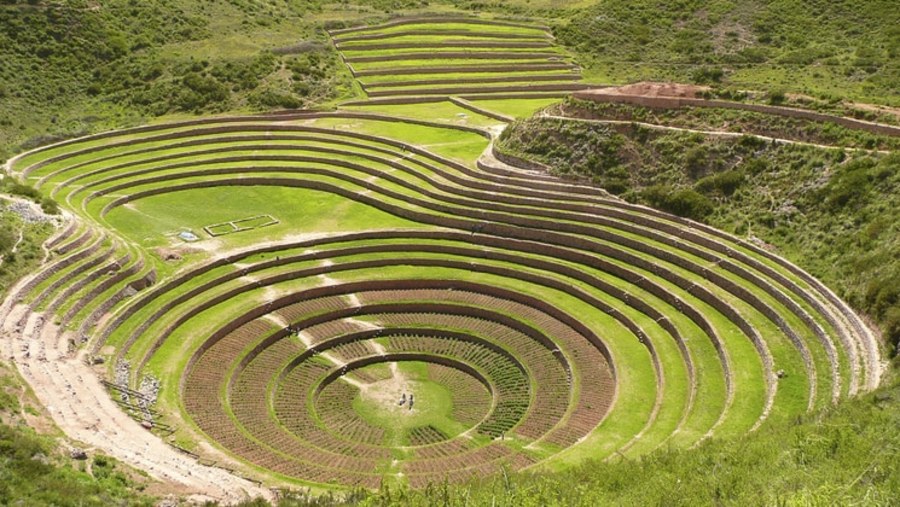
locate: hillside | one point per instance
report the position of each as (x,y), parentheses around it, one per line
(846,49)
(36,470)
(76,67)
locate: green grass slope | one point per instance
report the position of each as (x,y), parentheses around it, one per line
(75,67)
(21,232)
(841,455)
(837,49)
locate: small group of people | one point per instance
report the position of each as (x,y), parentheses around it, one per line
(410,401)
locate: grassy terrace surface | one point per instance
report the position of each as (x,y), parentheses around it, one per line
(451,57)
(537,322)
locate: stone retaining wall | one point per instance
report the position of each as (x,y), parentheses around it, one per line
(737,290)
(65,279)
(445,44)
(483,80)
(443,33)
(433,19)
(451,55)
(462,90)
(443,69)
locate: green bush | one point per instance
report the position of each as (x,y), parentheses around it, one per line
(200,90)
(14,187)
(725,183)
(755,166)
(49,206)
(850,185)
(271,99)
(687,203)
(32,476)
(7,240)
(883,294)
(696,160)
(777,97)
(891,328)
(244,75)
(708,75)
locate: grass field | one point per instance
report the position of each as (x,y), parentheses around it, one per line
(152,223)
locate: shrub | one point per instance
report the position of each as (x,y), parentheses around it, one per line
(754,54)
(7,240)
(687,203)
(200,90)
(269,99)
(777,97)
(849,185)
(14,187)
(696,160)
(49,206)
(725,182)
(883,294)
(755,166)
(691,42)
(616,186)
(708,75)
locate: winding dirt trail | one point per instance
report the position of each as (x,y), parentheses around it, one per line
(711,133)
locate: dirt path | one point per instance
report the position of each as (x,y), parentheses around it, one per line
(81,407)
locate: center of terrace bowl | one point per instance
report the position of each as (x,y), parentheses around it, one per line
(404,403)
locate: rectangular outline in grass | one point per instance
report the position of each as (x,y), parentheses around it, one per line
(237,228)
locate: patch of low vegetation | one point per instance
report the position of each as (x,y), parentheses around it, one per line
(835,213)
(76,67)
(16,188)
(824,103)
(729,120)
(20,246)
(21,231)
